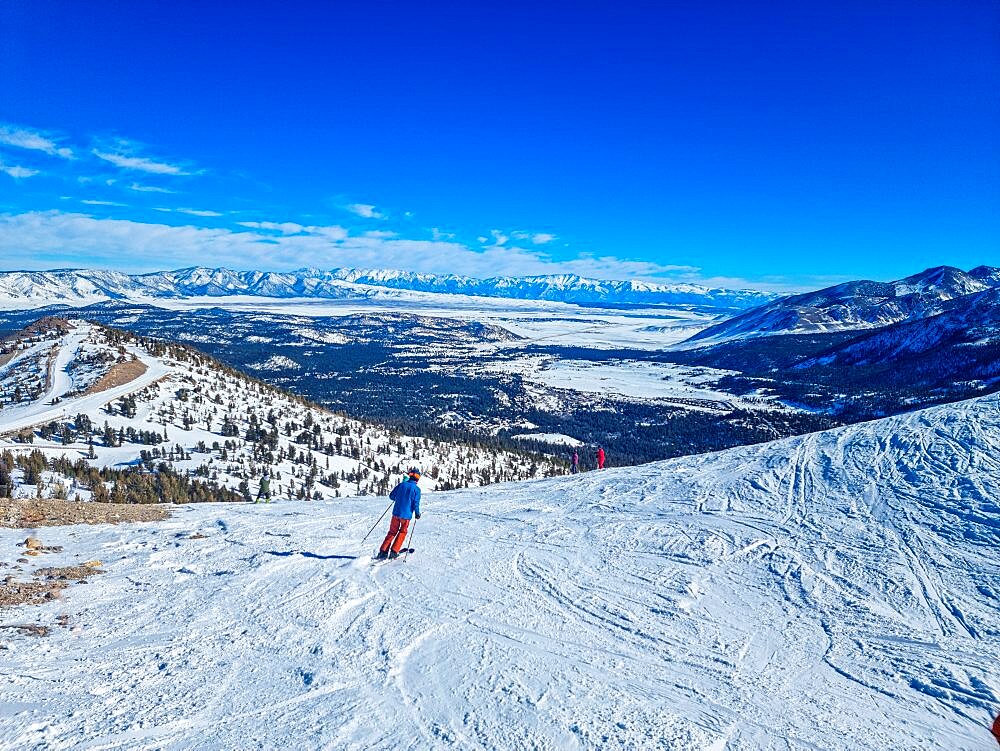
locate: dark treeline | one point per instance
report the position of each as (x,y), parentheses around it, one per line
(834,373)
(138,484)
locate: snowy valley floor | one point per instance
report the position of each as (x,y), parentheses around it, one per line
(834,591)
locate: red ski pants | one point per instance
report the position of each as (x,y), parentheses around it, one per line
(397,534)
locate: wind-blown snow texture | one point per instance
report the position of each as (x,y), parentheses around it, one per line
(832,591)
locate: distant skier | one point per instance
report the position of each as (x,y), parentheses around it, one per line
(600,457)
(407,506)
(576,462)
(265,489)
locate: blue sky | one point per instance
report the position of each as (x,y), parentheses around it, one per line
(779,145)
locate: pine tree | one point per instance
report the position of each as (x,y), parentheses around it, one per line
(6,481)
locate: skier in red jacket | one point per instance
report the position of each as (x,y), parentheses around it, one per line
(600,457)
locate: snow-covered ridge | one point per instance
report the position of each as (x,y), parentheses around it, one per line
(831,591)
(177,406)
(856,305)
(75,286)
(559,287)
(966,324)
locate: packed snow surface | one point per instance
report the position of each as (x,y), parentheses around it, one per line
(833,591)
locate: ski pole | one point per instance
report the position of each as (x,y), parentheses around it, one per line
(412,530)
(377,523)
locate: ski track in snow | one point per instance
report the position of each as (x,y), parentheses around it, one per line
(833,591)
(41,410)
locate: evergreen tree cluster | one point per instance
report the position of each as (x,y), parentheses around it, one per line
(139,484)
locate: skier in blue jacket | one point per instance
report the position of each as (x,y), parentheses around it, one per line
(406,496)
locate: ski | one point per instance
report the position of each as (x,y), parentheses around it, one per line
(376,559)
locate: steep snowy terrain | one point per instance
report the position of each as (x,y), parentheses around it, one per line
(967,324)
(855,305)
(145,403)
(83,286)
(837,590)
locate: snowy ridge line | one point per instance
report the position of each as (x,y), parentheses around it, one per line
(75,406)
(860,305)
(57,380)
(91,285)
(190,416)
(11,421)
(830,591)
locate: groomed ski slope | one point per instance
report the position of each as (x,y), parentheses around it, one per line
(833,591)
(42,410)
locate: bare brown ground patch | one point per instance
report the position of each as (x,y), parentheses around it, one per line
(28,513)
(46,324)
(70,573)
(119,375)
(30,629)
(14,593)
(50,367)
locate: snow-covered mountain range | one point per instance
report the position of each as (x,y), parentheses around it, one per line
(856,305)
(84,286)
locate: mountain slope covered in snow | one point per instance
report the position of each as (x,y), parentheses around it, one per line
(120,402)
(855,305)
(947,356)
(82,286)
(837,590)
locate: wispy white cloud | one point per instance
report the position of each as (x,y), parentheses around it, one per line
(285,228)
(33,140)
(438,234)
(129,155)
(140,163)
(16,171)
(149,189)
(199,212)
(366,210)
(381,233)
(535,238)
(331,233)
(190,212)
(95,202)
(499,238)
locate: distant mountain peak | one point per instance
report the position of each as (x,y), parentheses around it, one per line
(860,304)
